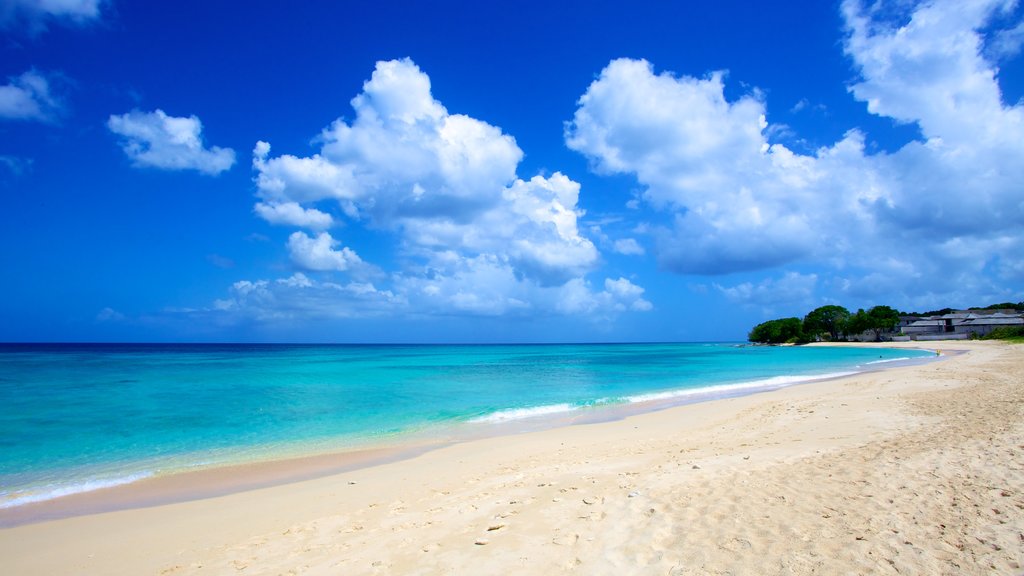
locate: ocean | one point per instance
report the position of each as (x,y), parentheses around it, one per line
(75,418)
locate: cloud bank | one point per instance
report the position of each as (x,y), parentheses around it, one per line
(938,221)
(951,202)
(471,236)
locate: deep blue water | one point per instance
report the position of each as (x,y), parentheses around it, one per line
(79,417)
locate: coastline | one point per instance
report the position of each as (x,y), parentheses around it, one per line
(696,487)
(155,481)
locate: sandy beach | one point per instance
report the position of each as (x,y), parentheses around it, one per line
(910,470)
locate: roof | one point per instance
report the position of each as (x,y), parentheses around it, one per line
(1013,321)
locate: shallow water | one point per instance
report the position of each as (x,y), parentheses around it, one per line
(81,417)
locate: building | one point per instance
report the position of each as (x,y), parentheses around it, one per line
(958,325)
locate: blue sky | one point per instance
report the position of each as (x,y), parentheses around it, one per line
(510,172)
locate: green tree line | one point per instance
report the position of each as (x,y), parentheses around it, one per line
(1019,307)
(826,323)
(834,322)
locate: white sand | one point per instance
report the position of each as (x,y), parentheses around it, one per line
(916,470)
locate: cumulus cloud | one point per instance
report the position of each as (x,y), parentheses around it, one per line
(292,214)
(403,158)
(626,293)
(154,139)
(963,179)
(34,15)
(482,285)
(319,253)
(699,156)
(29,97)
(533,226)
(487,285)
(619,295)
(738,202)
(442,181)
(473,237)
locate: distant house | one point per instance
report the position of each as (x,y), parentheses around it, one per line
(982,325)
(958,325)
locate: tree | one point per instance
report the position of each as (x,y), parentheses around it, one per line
(878,319)
(778,331)
(856,323)
(826,319)
(931,312)
(1003,306)
(883,319)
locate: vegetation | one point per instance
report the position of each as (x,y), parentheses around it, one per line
(836,323)
(1011,333)
(782,330)
(878,320)
(828,320)
(939,312)
(1019,306)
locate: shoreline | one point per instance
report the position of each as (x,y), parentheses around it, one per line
(183,485)
(916,468)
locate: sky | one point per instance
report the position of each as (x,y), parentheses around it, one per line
(458,171)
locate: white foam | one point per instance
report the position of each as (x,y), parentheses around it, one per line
(888,360)
(44,493)
(773,383)
(522,413)
(720,390)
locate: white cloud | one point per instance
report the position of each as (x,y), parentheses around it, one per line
(299,297)
(488,285)
(629,247)
(319,253)
(626,293)
(474,238)
(662,128)
(619,295)
(534,227)
(1007,43)
(739,203)
(154,139)
(442,181)
(287,179)
(74,9)
(791,288)
(28,97)
(34,14)
(964,179)
(483,285)
(403,156)
(292,214)
(699,156)
(930,70)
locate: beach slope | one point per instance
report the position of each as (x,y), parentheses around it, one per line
(915,470)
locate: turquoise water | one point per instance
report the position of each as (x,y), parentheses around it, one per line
(79,417)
